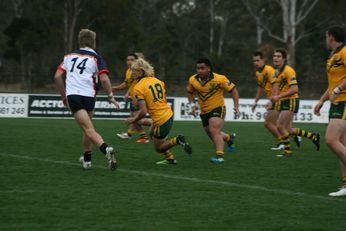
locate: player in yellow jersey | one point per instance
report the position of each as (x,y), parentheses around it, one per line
(336,93)
(129,84)
(287,102)
(150,93)
(210,87)
(265,80)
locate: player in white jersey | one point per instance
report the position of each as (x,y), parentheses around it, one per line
(82,67)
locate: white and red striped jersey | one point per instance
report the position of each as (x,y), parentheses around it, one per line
(82,68)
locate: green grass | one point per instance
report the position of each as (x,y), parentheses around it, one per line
(42,186)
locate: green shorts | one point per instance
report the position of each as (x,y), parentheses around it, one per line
(163,130)
(337,111)
(287,105)
(216,112)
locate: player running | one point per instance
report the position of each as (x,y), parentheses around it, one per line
(150,93)
(129,84)
(287,103)
(209,87)
(265,80)
(336,93)
(82,67)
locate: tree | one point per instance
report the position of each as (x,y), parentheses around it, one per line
(212,20)
(293,16)
(72,9)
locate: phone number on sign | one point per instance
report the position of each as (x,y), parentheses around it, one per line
(12,111)
(302,116)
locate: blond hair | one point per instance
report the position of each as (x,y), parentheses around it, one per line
(140,55)
(87,38)
(141,64)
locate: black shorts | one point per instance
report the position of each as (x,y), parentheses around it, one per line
(78,102)
(216,112)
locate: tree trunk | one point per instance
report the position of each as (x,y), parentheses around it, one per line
(285,18)
(66,25)
(22,67)
(259,33)
(291,52)
(72,10)
(292,16)
(212,18)
(17,7)
(289,28)
(223,27)
(18,12)
(291,40)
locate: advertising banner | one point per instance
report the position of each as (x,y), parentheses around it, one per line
(52,106)
(305,114)
(47,106)
(13,105)
(183,110)
(43,105)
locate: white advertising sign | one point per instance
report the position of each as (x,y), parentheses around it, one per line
(182,111)
(304,115)
(13,105)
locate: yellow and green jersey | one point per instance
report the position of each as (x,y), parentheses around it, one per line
(153,92)
(265,79)
(285,78)
(336,71)
(131,82)
(128,77)
(210,93)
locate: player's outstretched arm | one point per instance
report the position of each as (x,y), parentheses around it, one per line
(119,87)
(106,84)
(60,85)
(257,97)
(127,95)
(235,96)
(140,114)
(320,103)
(191,99)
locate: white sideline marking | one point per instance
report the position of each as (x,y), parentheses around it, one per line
(191,179)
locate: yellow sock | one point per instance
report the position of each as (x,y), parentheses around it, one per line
(130,132)
(169,155)
(173,140)
(228,137)
(303,133)
(285,139)
(219,153)
(143,135)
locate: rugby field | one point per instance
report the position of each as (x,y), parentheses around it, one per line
(43,187)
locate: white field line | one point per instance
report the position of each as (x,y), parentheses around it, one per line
(184,178)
